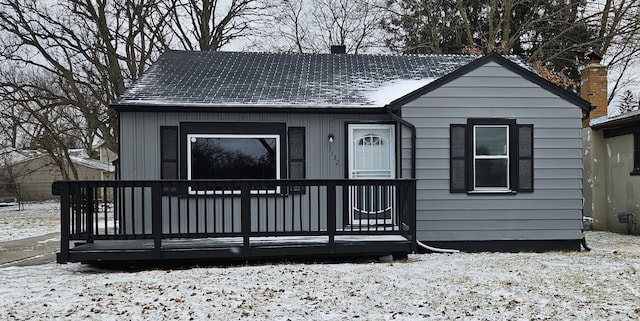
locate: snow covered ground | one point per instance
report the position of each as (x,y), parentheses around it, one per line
(603,284)
(33,219)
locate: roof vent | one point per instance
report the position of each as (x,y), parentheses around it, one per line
(338,49)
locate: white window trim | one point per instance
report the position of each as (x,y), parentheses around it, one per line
(250,136)
(506,156)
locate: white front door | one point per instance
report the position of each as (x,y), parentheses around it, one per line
(372,156)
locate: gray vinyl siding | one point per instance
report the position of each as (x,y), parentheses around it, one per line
(551,212)
(140,160)
(140,143)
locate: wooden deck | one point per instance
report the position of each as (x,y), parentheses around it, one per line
(231,248)
(164,221)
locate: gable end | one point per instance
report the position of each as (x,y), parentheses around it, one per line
(509,65)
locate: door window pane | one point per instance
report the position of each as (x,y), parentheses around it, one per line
(372,152)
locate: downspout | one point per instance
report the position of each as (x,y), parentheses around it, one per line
(414,136)
(587,113)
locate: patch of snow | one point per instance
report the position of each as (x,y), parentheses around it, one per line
(94,163)
(11,156)
(598,285)
(598,120)
(78,153)
(53,239)
(395,89)
(34,219)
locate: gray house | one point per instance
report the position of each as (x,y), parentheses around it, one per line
(373,152)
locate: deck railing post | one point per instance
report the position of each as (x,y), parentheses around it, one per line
(89,212)
(65,221)
(411,211)
(331,215)
(156,217)
(245,216)
(401,203)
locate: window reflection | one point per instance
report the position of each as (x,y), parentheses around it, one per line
(233,157)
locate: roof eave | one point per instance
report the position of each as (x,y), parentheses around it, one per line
(141,107)
(617,122)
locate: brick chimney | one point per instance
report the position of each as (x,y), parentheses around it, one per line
(338,49)
(593,87)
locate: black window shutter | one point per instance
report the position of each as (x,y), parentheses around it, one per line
(458,153)
(297,156)
(296,152)
(168,152)
(525,158)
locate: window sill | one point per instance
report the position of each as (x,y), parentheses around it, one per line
(509,192)
(635,173)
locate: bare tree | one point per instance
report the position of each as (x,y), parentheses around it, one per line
(312,26)
(208,25)
(619,42)
(354,24)
(288,30)
(15,125)
(68,59)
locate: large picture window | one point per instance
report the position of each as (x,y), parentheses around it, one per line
(236,151)
(491,156)
(229,156)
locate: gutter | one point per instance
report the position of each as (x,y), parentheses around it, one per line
(413,137)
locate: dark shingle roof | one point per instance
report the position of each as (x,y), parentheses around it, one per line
(194,78)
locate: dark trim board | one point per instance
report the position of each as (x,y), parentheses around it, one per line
(512,246)
(619,131)
(231,249)
(250,109)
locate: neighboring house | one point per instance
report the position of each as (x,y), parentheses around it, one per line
(330,145)
(105,154)
(614,173)
(611,158)
(33,171)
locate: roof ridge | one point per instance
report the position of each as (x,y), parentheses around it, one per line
(385,54)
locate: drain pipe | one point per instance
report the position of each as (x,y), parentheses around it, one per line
(436,249)
(413,130)
(413,137)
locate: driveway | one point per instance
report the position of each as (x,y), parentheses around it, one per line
(30,251)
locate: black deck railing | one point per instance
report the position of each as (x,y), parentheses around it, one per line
(188,209)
